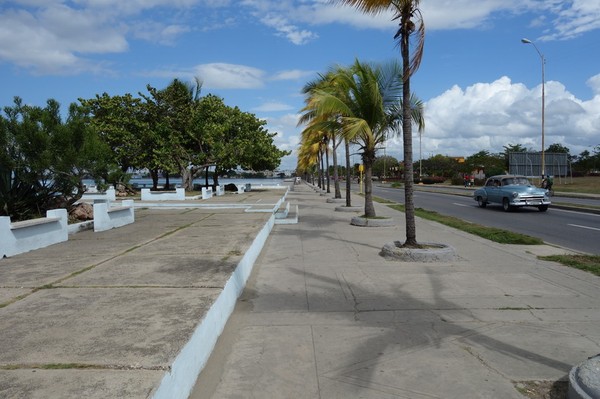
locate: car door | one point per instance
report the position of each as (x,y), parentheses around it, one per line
(493,190)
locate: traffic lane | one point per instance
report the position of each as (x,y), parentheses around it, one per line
(575,230)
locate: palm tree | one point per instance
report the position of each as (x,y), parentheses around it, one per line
(327,124)
(366,104)
(410,26)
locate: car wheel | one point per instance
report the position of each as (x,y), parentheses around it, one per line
(543,208)
(506,205)
(481,202)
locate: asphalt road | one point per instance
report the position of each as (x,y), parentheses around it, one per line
(570,229)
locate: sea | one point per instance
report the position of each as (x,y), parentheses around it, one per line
(147,182)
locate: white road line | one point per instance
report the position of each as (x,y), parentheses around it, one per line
(583,227)
(465,205)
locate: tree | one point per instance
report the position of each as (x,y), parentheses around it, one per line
(121,122)
(493,164)
(44,158)
(328,125)
(410,26)
(382,167)
(368,107)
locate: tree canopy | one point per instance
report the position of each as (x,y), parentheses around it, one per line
(44,159)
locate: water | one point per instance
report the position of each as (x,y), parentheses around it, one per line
(147,183)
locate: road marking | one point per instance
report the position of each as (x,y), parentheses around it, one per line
(465,205)
(583,227)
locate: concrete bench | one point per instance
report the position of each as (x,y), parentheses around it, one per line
(19,237)
(177,195)
(207,192)
(106,218)
(108,196)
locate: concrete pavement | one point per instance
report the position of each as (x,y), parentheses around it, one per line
(325,316)
(133,312)
(130,312)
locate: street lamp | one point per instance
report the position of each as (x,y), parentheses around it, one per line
(527,41)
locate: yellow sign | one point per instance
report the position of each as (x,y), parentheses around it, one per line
(361,168)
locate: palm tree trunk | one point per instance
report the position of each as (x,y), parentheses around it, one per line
(336,178)
(348,173)
(368,160)
(327,169)
(409,205)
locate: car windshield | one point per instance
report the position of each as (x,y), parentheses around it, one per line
(515,181)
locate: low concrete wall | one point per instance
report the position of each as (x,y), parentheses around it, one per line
(207,192)
(17,238)
(106,218)
(178,195)
(220,190)
(108,196)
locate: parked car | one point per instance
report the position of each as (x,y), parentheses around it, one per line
(511,191)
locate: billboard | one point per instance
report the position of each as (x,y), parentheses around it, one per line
(530,163)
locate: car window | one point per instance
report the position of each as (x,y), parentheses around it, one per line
(489,183)
(523,181)
(507,182)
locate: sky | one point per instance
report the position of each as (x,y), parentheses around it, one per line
(480,84)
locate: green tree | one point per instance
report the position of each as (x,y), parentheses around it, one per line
(493,164)
(411,30)
(368,106)
(44,158)
(328,126)
(384,166)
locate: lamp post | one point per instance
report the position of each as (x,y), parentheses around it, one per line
(527,41)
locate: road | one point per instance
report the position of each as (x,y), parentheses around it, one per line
(570,229)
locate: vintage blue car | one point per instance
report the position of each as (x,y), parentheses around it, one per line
(511,191)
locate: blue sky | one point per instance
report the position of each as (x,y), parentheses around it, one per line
(481,86)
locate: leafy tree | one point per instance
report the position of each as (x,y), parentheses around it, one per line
(44,158)
(328,126)
(493,164)
(368,106)
(411,30)
(440,165)
(382,167)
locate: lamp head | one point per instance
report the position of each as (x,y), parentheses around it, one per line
(526,41)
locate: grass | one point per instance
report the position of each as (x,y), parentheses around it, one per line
(587,184)
(490,233)
(589,263)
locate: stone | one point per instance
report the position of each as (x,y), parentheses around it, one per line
(82,211)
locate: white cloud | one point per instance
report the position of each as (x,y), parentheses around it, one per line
(51,40)
(287,137)
(288,30)
(573,19)
(272,106)
(229,76)
(293,74)
(594,83)
(488,116)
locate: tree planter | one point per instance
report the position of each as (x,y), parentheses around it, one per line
(372,222)
(430,252)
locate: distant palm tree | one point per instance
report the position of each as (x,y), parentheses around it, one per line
(411,26)
(325,124)
(367,104)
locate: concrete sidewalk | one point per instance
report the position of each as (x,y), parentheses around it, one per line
(325,316)
(130,312)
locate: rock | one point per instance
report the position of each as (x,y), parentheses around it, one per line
(231,187)
(82,211)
